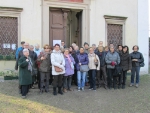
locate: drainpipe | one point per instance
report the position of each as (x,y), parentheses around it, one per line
(41,23)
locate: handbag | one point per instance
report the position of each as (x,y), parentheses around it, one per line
(84,68)
(142,64)
(57,69)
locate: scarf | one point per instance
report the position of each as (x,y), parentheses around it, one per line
(68,56)
(30,64)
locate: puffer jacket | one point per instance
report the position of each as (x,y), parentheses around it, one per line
(125,61)
(112,57)
(91,64)
(136,55)
(83,59)
(57,59)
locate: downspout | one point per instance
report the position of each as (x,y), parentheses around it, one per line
(41,23)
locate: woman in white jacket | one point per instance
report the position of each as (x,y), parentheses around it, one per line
(94,64)
(58,69)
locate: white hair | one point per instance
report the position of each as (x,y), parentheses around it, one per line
(25,50)
(36,45)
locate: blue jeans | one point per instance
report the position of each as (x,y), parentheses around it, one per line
(92,75)
(133,71)
(81,79)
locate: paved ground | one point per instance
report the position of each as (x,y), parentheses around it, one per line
(129,100)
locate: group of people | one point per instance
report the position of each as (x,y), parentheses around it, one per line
(90,66)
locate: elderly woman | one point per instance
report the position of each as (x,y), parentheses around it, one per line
(137,62)
(69,70)
(82,59)
(58,69)
(25,69)
(94,64)
(112,59)
(44,68)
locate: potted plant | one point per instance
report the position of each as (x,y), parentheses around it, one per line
(10,75)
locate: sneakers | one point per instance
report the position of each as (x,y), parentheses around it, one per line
(23,97)
(65,91)
(136,85)
(78,88)
(90,88)
(131,84)
(83,89)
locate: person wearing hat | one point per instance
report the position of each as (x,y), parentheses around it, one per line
(19,49)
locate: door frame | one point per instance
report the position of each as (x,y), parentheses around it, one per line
(47,4)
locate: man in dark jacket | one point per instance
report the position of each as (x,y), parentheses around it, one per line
(137,62)
(101,54)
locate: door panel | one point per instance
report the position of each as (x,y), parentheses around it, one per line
(56,25)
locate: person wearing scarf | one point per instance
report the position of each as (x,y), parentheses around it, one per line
(25,70)
(44,68)
(69,70)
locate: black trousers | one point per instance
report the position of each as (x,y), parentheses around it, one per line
(24,89)
(111,79)
(57,80)
(124,77)
(74,77)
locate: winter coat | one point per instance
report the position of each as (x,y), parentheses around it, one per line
(25,77)
(31,55)
(101,56)
(112,57)
(57,59)
(83,59)
(44,64)
(17,52)
(68,69)
(91,64)
(136,55)
(125,61)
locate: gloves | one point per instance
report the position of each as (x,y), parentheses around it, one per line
(113,63)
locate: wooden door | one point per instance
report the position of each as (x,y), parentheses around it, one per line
(114,34)
(56,25)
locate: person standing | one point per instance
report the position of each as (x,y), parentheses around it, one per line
(82,60)
(94,65)
(112,59)
(137,62)
(44,68)
(20,49)
(73,54)
(102,72)
(69,70)
(37,49)
(58,69)
(125,63)
(25,69)
(34,74)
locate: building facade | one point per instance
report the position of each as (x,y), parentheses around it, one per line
(42,21)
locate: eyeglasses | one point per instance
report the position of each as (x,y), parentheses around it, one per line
(46,48)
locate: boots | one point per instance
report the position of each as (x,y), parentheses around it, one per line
(54,91)
(60,91)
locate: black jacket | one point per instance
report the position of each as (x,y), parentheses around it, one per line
(138,56)
(101,56)
(125,61)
